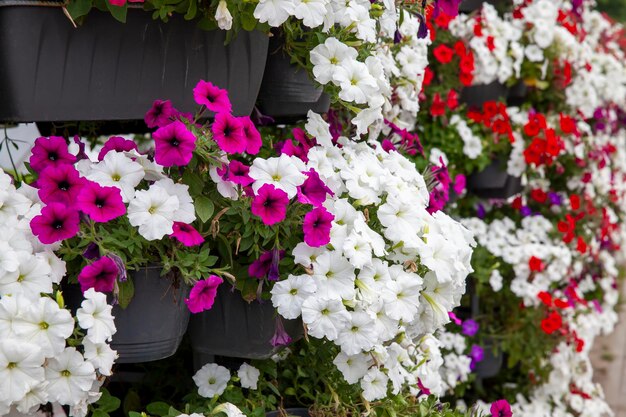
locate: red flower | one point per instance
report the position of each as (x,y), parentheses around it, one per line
(581,246)
(535,264)
(574,201)
(438,107)
(545,298)
(443,54)
(491,43)
(568,124)
(428,76)
(536,122)
(460,49)
(552,323)
(452,100)
(539,195)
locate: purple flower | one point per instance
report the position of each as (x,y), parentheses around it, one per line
(526,211)
(469,327)
(477,353)
(81,149)
(99,275)
(480,211)
(316,226)
(449,7)
(92,251)
(280,338)
(274,274)
(121,268)
(160,114)
(266,265)
(238,173)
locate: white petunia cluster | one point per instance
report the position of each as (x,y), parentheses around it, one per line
(36,364)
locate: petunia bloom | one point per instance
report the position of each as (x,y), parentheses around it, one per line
(116,144)
(265,263)
(238,173)
(501,408)
(229,133)
(99,275)
(211,96)
(313,190)
(252,135)
(202,295)
(469,327)
(60,184)
(186,234)
(173,144)
(317,224)
(101,204)
(160,114)
(50,151)
(55,223)
(270,204)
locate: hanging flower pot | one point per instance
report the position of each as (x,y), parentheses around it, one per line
(287,92)
(153,324)
(469,6)
(236,328)
(491,363)
(517,94)
(494,182)
(476,95)
(107,70)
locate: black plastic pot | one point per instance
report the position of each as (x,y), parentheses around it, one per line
(517,94)
(236,328)
(107,70)
(494,182)
(287,92)
(491,364)
(297,412)
(476,95)
(469,6)
(153,324)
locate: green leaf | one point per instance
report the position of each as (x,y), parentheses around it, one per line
(158,408)
(127,291)
(193,180)
(204,208)
(108,403)
(192,10)
(118,12)
(78,8)
(99,413)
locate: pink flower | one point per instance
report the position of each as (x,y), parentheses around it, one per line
(203,294)
(267,265)
(174,144)
(160,114)
(501,408)
(229,134)
(101,204)
(117,144)
(99,275)
(213,97)
(50,151)
(186,234)
(281,337)
(60,184)
(253,137)
(313,190)
(238,173)
(316,226)
(459,184)
(118,3)
(55,223)
(270,204)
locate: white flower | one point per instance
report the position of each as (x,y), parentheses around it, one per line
(8,258)
(274,12)
(153,211)
(495,280)
(284,172)
(227,189)
(318,128)
(328,57)
(374,385)
(231,410)
(223,17)
(94,315)
(20,368)
(31,278)
(324,317)
(334,276)
(100,355)
(352,367)
(355,81)
(311,12)
(305,255)
(69,377)
(289,295)
(116,170)
(366,118)
(211,380)
(402,294)
(186,212)
(45,324)
(248,375)
(359,335)
(35,396)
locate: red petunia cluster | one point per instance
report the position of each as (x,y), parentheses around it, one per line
(495,117)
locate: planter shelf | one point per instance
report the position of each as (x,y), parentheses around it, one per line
(107,70)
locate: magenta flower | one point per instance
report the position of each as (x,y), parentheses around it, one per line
(253,137)
(173,144)
(469,327)
(501,408)
(238,173)
(213,97)
(55,223)
(60,184)
(313,190)
(281,337)
(316,226)
(459,184)
(100,203)
(186,234)
(449,7)
(267,262)
(99,275)
(50,151)
(270,204)
(229,133)
(117,144)
(160,114)
(203,294)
